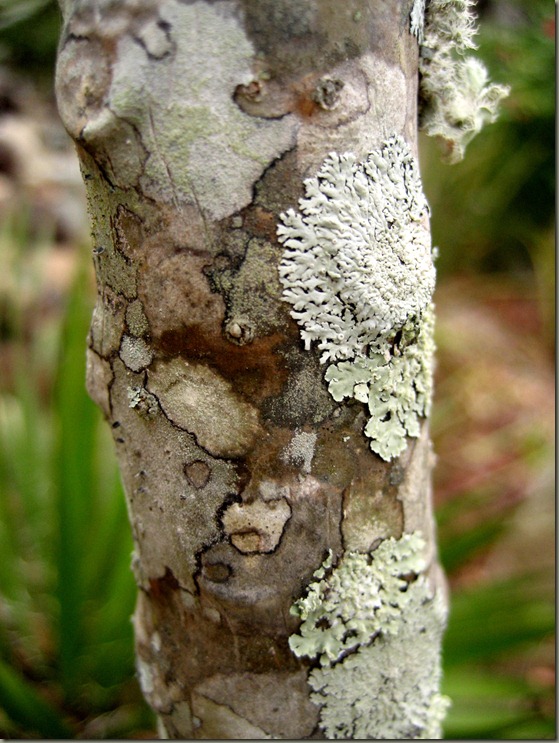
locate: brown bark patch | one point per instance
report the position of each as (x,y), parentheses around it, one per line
(276,702)
(174,291)
(256,369)
(197,473)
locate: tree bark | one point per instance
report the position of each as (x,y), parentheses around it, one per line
(274,447)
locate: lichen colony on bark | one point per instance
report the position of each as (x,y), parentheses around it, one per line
(456,97)
(358,270)
(251,175)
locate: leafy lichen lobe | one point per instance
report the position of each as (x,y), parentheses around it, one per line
(358,271)
(373,626)
(456,97)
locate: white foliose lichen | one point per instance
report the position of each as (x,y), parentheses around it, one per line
(358,258)
(375,628)
(456,97)
(395,381)
(417,19)
(358,270)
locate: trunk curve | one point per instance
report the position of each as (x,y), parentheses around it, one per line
(197,124)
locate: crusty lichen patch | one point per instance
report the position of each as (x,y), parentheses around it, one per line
(358,271)
(198,37)
(200,401)
(456,97)
(136,319)
(373,626)
(300,450)
(135,353)
(143,402)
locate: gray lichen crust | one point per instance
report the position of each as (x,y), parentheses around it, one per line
(358,271)
(374,627)
(456,97)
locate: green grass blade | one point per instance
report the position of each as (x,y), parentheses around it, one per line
(486,705)
(498,618)
(27,709)
(74,479)
(457,549)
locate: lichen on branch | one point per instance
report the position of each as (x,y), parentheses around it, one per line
(374,626)
(456,97)
(358,271)
(394,381)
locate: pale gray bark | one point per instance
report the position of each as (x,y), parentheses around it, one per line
(196,123)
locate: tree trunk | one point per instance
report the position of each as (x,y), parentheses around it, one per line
(262,348)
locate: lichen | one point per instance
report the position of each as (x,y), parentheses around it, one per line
(346,605)
(136,318)
(373,626)
(143,402)
(251,291)
(388,690)
(135,353)
(358,258)
(327,93)
(394,381)
(417,19)
(358,271)
(197,399)
(456,97)
(300,450)
(145,676)
(200,106)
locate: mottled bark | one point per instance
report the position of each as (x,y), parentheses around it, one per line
(196,124)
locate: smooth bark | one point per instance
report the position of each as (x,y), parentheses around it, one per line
(196,124)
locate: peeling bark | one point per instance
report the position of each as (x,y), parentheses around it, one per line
(196,123)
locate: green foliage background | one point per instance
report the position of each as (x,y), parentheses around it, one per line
(66,591)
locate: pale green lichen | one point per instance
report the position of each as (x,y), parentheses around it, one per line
(358,271)
(394,381)
(456,97)
(374,626)
(388,690)
(143,402)
(358,259)
(364,594)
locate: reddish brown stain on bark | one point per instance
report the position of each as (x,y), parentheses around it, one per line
(257,370)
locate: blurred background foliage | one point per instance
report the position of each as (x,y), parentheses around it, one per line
(66,591)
